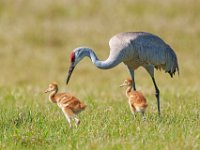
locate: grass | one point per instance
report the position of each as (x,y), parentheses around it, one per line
(107,124)
(35,41)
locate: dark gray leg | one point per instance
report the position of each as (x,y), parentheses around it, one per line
(131,71)
(150,70)
(157,95)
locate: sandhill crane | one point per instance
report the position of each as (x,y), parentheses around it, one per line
(134,49)
(69,104)
(137,101)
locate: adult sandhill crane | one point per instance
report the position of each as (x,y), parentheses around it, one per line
(134,49)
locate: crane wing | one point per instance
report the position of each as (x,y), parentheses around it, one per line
(155,51)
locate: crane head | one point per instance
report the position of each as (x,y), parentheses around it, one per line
(76,56)
(127,82)
(52,87)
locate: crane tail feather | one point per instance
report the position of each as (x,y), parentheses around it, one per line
(171,62)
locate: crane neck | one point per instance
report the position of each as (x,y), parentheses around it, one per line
(110,62)
(52,96)
(128,90)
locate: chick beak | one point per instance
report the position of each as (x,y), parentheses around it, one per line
(46,91)
(122,85)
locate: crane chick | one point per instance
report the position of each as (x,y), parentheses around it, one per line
(136,99)
(69,104)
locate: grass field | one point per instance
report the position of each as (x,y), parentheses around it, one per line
(36,38)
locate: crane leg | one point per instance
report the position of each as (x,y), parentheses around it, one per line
(131,71)
(150,70)
(157,95)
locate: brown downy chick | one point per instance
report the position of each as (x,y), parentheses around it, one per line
(69,104)
(136,99)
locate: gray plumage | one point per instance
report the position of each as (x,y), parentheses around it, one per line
(141,49)
(134,49)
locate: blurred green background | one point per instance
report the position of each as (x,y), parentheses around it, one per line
(36,38)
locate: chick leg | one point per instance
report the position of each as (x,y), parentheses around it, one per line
(133,110)
(77,121)
(68,114)
(143,115)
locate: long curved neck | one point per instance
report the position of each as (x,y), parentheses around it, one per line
(128,90)
(111,62)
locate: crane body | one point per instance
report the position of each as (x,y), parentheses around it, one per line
(134,49)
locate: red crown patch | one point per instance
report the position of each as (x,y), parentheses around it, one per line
(72,57)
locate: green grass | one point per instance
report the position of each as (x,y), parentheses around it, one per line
(30,122)
(35,41)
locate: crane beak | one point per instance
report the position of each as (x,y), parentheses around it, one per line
(71,68)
